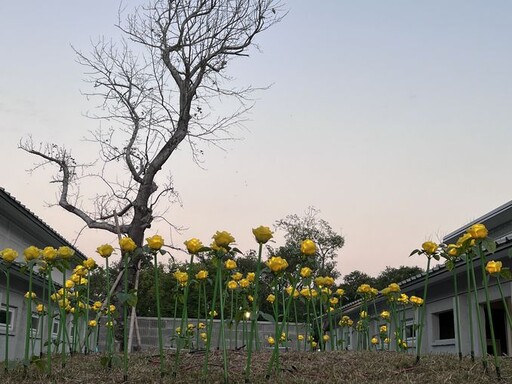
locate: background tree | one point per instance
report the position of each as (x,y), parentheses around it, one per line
(395,275)
(157,87)
(309,226)
(352,281)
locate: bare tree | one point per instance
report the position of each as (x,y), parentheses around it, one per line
(159,86)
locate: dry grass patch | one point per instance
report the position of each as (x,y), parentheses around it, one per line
(296,367)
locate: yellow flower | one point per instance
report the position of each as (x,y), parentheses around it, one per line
(127,244)
(213,313)
(493,267)
(416,301)
(394,287)
(271,298)
(314,344)
(308,247)
(383,329)
(403,299)
(31,253)
(251,276)
(385,315)
(333,300)
(345,321)
(201,326)
(65,252)
(31,295)
(230,264)
(250,298)
(326,281)
(464,238)
(478,231)
(223,239)
(69,284)
(283,337)
(340,292)
(325,338)
(375,341)
(105,250)
(244,283)
(387,340)
(232,284)
(96,306)
(193,245)
(277,264)
(40,308)
(181,277)
(80,270)
(202,275)
(109,324)
(237,276)
(270,340)
(93,323)
(262,234)
(90,263)
(429,247)
(112,308)
(300,337)
(155,242)
(453,250)
(289,291)
(203,336)
(364,288)
(305,272)
(9,255)
(363,314)
(49,254)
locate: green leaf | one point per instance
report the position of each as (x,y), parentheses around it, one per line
(237,251)
(267,317)
(128,298)
(449,264)
(489,245)
(436,256)
(506,273)
(414,252)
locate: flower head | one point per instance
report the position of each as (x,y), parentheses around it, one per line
(237,276)
(193,246)
(493,267)
(244,283)
(262,234)
(93,323)
(40,308)
(49,254)
(308,247)
(127,244)
(181,277)
(155,242)
(429,247)
(270,340)
(271,298)
(223,239)
(251,276)
(305,272)
(385,315)
(65,252)
(478,231)
(202,274)
(90,263)
(105,250)
(375,341)
(8,255)
(416,301)
(232,284)
(230,264)
(31,253)
(30,295)
(277,264)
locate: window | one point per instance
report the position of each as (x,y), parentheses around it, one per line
(446,329)
(34,327)
(6,315)
(55,326)
(410,330)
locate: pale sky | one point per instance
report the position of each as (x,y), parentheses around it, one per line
(390,117)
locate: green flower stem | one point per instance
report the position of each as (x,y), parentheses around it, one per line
(175,310)
(489,311)
(470,309)
(254,315)
(231,319)
(222,325)
(423,311)
(63,321)
(275,354)
(41,317)
(277,335)
(159,316)
(7,317)
(308,324)
(50,322)
(210,325)
(125,319)
(457,316)
(26,360)
(483,345)
(87,346)
(109,317)
(319,320)
(296,323)
(236,320)
(198,314)
(507,312)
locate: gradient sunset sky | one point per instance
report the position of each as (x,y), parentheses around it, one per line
(391,117)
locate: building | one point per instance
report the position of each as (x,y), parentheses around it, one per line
(441,333)
(19,229)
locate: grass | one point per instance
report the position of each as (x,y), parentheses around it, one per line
(296,367)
